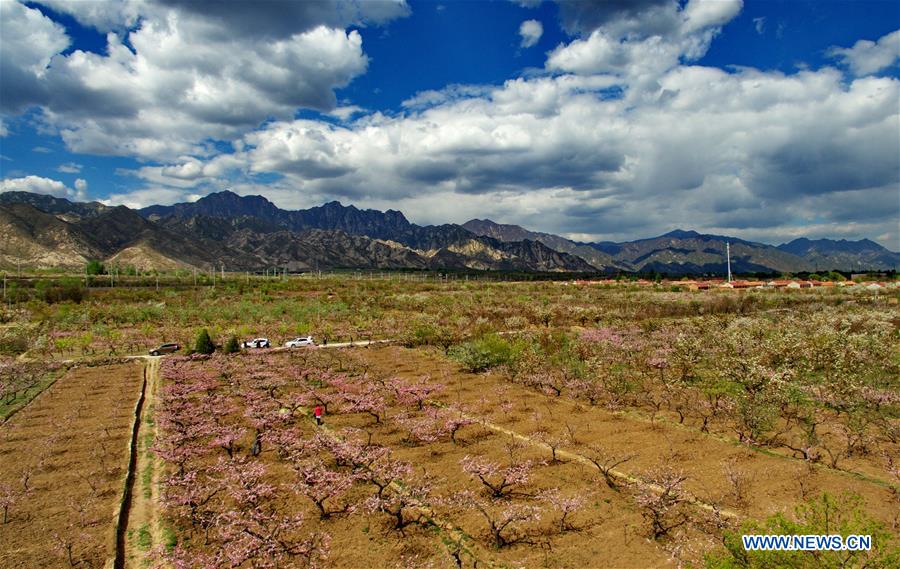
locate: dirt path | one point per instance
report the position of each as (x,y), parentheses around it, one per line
(356,344)
(144,528)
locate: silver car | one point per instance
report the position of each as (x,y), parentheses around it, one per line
(165,349)
(301,341)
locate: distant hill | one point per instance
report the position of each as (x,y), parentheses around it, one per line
(688,252)
(391,225)
(678,252)
(69,211)
(121,228)
(33,238)
(600,260)
(252,233)
(255,226)
(40,239)
(828,254)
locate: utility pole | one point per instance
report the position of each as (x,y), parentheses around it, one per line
(728,255)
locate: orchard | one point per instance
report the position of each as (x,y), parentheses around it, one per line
(490,425)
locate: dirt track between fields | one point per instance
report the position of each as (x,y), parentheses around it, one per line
(143,526)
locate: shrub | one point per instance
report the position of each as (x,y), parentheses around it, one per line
(70,290)
(13,345)
(232,345)
(423,334)
(486,352)
(204,344)
(823,515)
(95,268)
(662,504)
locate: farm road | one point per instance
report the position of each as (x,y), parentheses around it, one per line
(143,528)
(357,344)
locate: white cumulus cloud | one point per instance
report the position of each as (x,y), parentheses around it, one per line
(703,14)
(69,168)
(184,75)
(28,42)
(640,41)
(41,185)
(531,32)
(867,57)
(748,153)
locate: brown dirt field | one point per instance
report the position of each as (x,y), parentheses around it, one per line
(607,520)
(777,484)
(366,540)
(610,529)
(72,437)
(610,525)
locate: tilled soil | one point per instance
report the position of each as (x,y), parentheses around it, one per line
(608,531)
(773,483)
(72,443)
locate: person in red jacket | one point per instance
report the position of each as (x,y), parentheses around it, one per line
(317,413)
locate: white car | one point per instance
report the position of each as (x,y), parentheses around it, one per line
(257,343)
(301,341)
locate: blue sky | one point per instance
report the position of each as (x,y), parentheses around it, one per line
(596,120)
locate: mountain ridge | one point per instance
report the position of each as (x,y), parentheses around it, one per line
(824,254)
(600,260)
(683,252)
(389,225)
(251,233)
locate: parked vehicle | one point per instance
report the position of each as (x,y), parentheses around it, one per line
(301,341)
(165,349)
(257,343)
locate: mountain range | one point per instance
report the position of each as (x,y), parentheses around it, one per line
(251,233)
(682,252)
